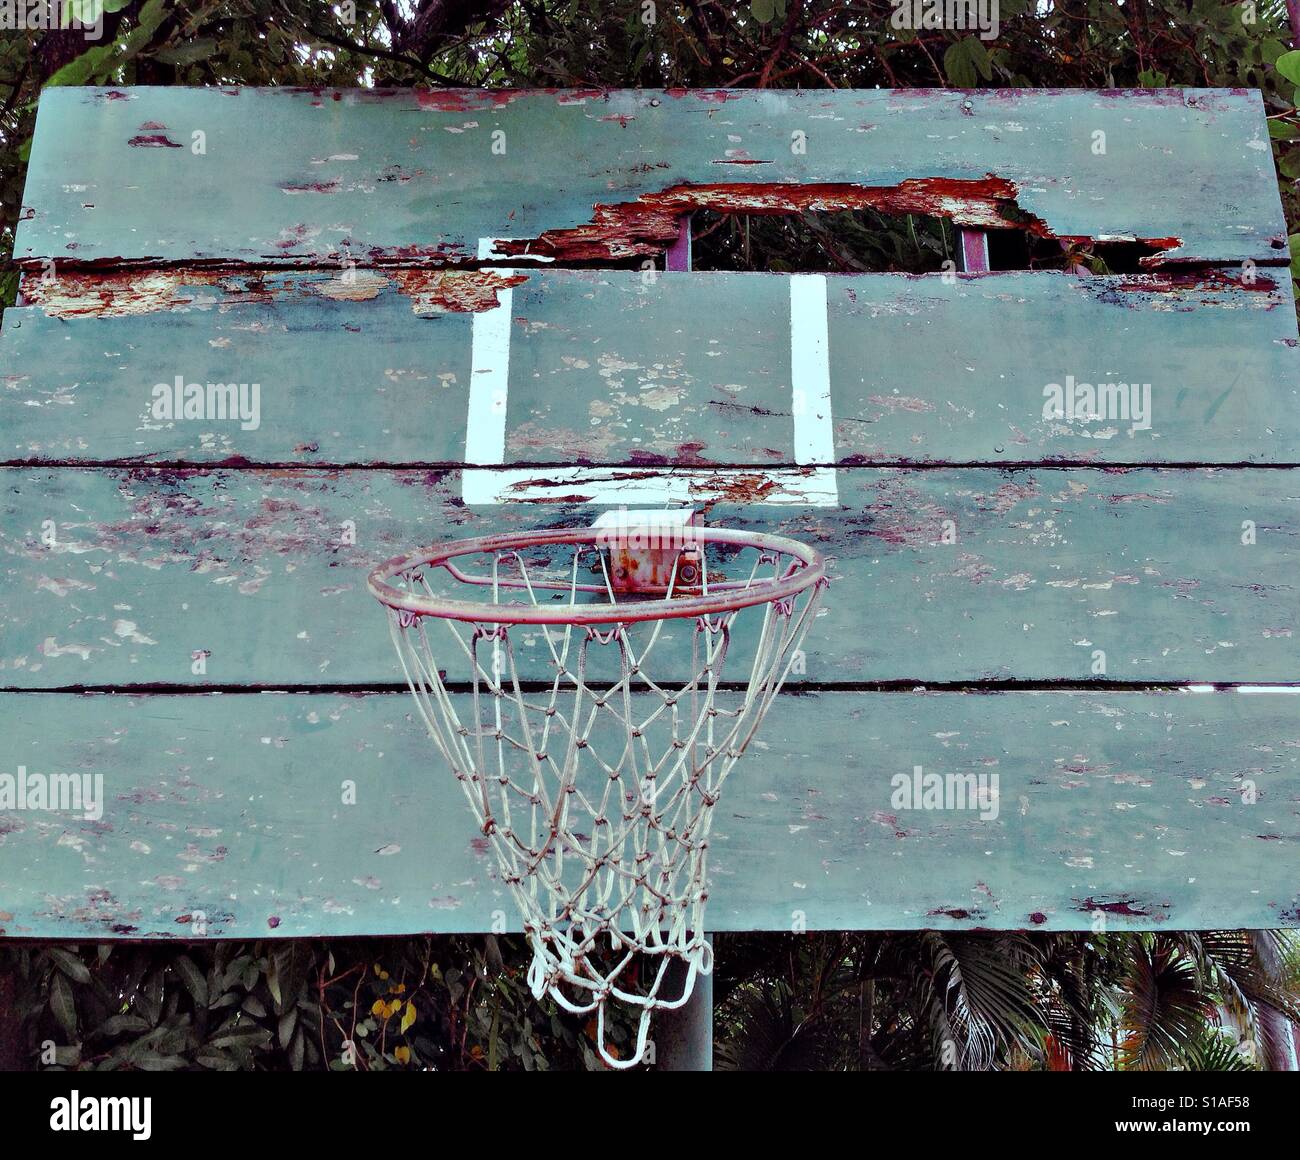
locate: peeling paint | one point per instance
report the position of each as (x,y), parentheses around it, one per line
(96,294)
(648,224)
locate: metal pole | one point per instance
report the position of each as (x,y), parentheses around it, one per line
(974,251)
(678,256)
(683,1038)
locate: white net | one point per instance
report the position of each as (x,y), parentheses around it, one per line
(593,782)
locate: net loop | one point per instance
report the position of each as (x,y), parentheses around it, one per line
(592,746)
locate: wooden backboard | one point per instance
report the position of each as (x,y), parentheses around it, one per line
(439,298)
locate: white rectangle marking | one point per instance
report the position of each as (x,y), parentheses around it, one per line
(810,370)
(489,382)
(814,440)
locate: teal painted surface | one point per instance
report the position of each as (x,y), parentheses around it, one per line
(936,373)
(606,367)
(1046,566)
(1130,805)
(339,381)
(302,176)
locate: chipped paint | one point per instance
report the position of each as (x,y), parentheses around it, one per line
(868,140)
(412,863)
(625,372)
(647,225)
(103,294)
(996,586)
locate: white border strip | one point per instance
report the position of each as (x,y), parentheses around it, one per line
(810,370)
(489,388)
(814,437)
(650,487)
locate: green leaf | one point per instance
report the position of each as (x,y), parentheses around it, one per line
(70,965)
(215,1060)
(63,1004)
(68,1056)
(1283,130)
(1271,51)
(288,1021)
(195,981)
(763,10)
(191,53)
(150,1061)
(249,1035)
(958,66)
(105,59)
(1288,64)
(118,1025)
(978,55)
(273,981)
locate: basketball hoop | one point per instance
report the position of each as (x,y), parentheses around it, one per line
(593,782)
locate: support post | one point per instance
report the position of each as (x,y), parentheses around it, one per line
(678,256)
(683,1038)
(974,251)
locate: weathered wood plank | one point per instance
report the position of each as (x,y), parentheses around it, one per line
(930,372)
(941,575)
(609,368)
(1131,806)
(292,176)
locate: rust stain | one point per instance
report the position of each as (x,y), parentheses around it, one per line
(89,294)
(1127,906)
(311,186)
(709,96)
(93,294)
(1210,287)
(578,96)
(644,226)
(463,100)
(958,913)
(460,292)
(753,487)
(153,141)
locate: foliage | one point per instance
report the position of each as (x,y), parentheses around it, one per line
(445,1004)
(933,1000)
